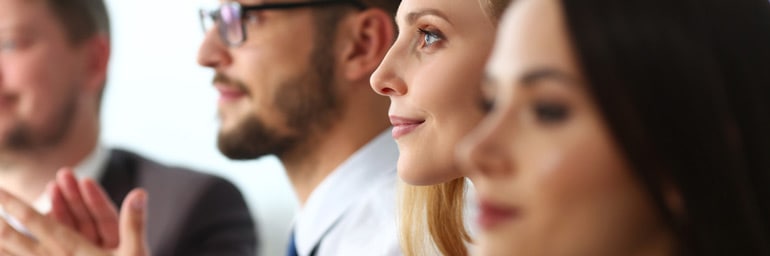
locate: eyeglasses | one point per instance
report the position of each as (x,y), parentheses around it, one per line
(229,17)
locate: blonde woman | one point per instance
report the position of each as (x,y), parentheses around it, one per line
(431,75)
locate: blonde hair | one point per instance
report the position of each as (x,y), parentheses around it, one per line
(432,218)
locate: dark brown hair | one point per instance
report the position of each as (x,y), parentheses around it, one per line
(81,19)
(685,88)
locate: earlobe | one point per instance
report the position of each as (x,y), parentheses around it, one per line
(673,200)
(371,38)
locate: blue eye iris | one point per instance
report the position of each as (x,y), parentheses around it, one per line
(429,38)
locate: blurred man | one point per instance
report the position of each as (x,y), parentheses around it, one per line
(53,65)
(293,78)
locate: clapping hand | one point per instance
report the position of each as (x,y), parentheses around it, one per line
(52,237)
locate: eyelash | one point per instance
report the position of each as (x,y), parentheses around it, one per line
(550,113)
(486,105)
(425,34)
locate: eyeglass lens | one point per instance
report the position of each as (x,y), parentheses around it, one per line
(231,29)
(227,19)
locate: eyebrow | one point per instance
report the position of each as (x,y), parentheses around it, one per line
(412,17)
(536,75)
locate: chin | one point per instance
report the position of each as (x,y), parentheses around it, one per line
(411,175)
(226,127)
(498,249)
(421,175)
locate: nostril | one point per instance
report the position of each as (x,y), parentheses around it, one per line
(387,91)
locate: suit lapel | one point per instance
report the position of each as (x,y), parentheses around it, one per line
(120,176)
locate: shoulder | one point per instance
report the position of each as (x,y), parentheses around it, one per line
(148,170)
(370,228)
(190,212)
(179,183)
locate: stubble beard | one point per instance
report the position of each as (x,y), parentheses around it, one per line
(309,103)
(23,138)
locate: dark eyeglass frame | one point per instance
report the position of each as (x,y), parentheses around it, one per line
(215,15)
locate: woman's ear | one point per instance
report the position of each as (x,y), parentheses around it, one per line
(673,200)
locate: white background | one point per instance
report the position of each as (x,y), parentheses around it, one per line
(160,103)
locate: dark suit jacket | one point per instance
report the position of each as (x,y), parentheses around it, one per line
(189,213)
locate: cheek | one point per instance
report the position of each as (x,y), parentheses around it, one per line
(585,196)
(260,76)
(577,176)
(22,73)
(31,78)
(448,89)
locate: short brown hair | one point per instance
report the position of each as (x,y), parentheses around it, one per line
(327,19)
(390,6)
(81,19)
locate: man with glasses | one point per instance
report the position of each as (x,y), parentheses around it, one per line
(293,79)
(53,68)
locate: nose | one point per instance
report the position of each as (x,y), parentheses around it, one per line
(213,53)
(487,150)
(386,80)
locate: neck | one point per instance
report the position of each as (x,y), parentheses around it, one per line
(26,173)
(659,240)
(310,164)
(663,245)
(307,168)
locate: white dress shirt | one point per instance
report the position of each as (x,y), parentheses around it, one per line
(353,211)
(91,167)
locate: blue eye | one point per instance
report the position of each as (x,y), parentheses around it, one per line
(429,37)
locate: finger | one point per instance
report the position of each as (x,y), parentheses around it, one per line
(133,215)
(59,209)
(102,210)
(82,218)
(13,242)
(49,234)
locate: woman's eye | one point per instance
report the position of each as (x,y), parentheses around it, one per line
(429,38)
(486,105)
(551,113)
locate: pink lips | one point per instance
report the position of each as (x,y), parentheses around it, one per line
(491,214)
(228,93)
(403,126)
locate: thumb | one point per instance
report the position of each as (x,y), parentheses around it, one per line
(133,216)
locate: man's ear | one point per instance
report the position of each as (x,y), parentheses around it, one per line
(371,35)
(98,52)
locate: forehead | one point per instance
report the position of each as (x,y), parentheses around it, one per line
(457,11)
(532,35)
(23,14)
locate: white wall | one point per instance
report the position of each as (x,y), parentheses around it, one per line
(160,103)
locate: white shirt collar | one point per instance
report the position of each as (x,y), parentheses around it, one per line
(344,188)
(93,166)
